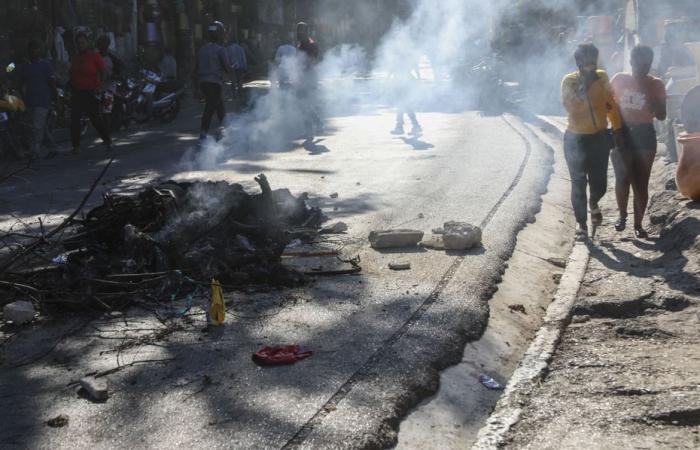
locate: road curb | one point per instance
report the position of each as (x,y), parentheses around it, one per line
(538,356)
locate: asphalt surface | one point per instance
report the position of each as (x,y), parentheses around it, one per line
(379,338)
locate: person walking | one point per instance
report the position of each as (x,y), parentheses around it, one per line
(587,97)
(86,72)
(39,83)
(642,98)
(308,53)
(212,61)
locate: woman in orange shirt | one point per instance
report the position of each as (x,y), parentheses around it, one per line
(641,99)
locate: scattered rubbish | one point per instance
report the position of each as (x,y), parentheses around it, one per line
(557,262)
(461,236)
(354,268)
(433,242)
(217,307)
(60,259)
(136,244)
(421,216)
(19,312)
(319,254)
(334,195)
(295,243)
(96,388)
(358,184)
(581,318)
(400,265)
(517,308)
(336,228)
(490,383)
(395,238)
(58,421)
(282,355)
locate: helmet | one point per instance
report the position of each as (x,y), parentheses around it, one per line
(216,31)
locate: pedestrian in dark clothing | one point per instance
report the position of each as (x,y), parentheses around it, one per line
(86,71)
(39,87)
(308,52)
(212,61)
(588,98)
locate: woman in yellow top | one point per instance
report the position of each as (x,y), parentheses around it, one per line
(588,99)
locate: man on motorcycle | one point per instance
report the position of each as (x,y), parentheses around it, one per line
(39,84)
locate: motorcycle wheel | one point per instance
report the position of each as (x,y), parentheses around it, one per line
(172,113)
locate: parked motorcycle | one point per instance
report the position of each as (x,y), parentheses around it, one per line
(15,126)
(155,99)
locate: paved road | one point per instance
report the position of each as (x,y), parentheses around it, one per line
(379,337)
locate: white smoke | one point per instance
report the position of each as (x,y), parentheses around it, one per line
(440,41)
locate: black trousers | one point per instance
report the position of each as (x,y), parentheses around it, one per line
(214,103)
(587,156)
(86,103)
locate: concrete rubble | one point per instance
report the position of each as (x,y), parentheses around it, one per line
(400,265)
(95,387)
(19,312)
(461,236)
(395,238)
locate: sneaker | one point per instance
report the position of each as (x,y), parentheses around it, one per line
(641,233)
(621,224)
(398,130)
(417,130)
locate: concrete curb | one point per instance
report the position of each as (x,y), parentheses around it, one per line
(538,356)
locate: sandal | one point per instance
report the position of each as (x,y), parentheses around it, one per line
(596,216)
(581,232)
(621,224)
(641,233)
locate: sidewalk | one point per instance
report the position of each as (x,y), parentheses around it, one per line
(626,372)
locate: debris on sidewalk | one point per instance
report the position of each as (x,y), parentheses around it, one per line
(395,239)
(334,195)
(517,308)
(281,355)
(433,242)
(336,228)
(400,265)
(490,383)
(168,237)
(96,388)
(58,421)
(19,312)
(461,236)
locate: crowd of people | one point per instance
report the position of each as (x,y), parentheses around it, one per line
(629,103)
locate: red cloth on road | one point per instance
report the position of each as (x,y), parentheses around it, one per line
(282,355)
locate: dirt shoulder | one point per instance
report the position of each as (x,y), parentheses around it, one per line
(626,373)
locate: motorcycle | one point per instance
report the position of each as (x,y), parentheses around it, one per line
(15,125)
(156,99)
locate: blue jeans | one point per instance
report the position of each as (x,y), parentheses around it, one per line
(587,156)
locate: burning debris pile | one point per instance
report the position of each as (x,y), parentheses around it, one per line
(168,234)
